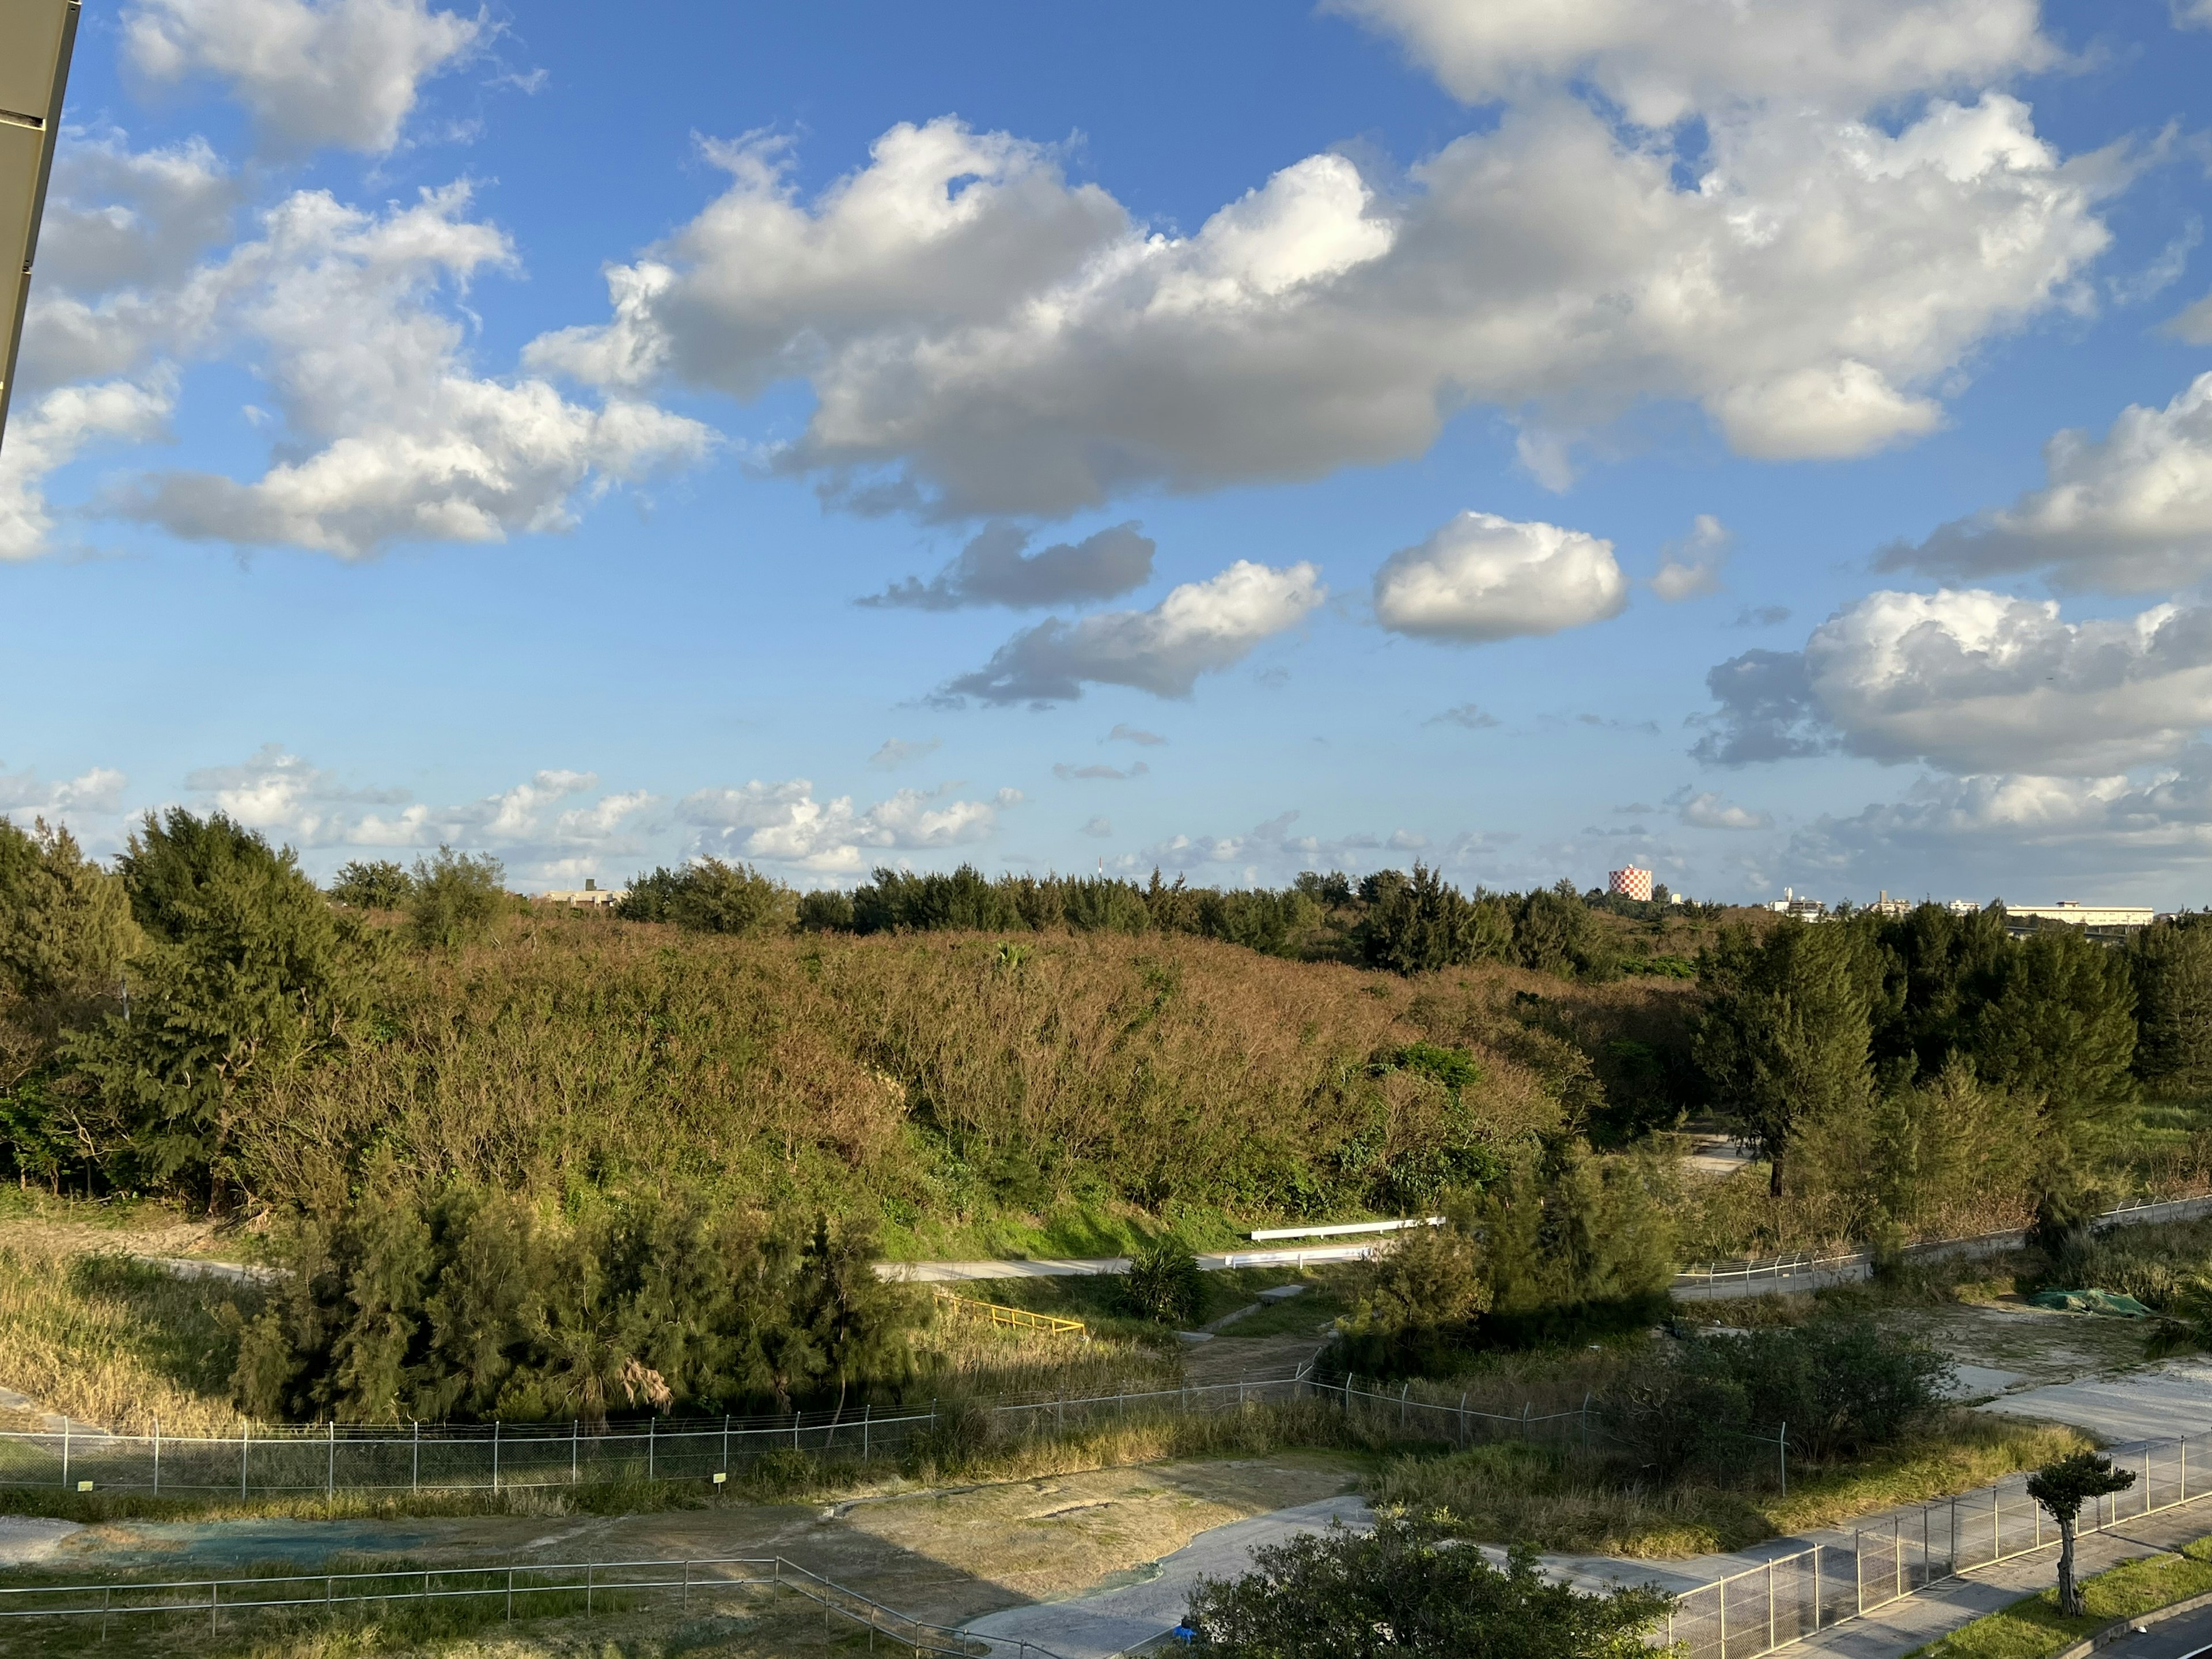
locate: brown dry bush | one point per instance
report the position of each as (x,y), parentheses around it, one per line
(923,1074)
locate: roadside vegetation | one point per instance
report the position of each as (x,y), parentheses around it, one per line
(2033,1628)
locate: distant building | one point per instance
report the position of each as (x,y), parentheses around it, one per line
(1887,906)
(2110,923)
(1631,882)
(1791,903)
(592,896)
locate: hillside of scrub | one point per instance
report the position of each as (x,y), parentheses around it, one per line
(960,1092)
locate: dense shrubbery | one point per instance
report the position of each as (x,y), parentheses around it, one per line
(1840,1384)
(1556,1242)
(1164,1283)
(1411,1590)
(468,1304)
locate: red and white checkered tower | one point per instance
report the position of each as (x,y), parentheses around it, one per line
(1631,882)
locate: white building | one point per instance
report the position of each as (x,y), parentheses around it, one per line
(1793,904)
(592,896)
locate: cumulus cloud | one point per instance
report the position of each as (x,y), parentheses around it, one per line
(54,431)
(116,216)
(1101,828)
(1466,715)
(1707,810)
(982,336)
(1661,60)
(898,751)
(553,824)
(311,72)
(1270,851)
(994,569)
(1761,615)
(1692,566)
(2129,513)
(1136,734)
(2015,833)
(1972,682)
(1480,578)
(96,792)
(1068,774)
(391,437)
(784,823)
(1199,627)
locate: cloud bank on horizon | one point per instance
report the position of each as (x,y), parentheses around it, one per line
(1382,429)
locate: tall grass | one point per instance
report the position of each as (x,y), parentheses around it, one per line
(108,1341)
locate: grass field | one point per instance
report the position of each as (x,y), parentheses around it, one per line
(2033,1628)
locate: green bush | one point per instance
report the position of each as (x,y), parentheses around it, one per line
(1408,1589)
(1164,1283)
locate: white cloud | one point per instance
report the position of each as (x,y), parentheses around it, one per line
(1661,60)
(394,438)
(1467,715)
(1481,577)
(784,823)
(983,337)
(1101,828)
(1071,774)
(2196,14)
(1123,732)
(2128,514)
(543,827)
(54,431)
(2193,324)
(2018,834)
(311,72)
(1692,566)
(1707,810)
(96,792)
(115,215)
(1199,627)
(1974,682)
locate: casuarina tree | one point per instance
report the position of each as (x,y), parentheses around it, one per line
(2062,1488)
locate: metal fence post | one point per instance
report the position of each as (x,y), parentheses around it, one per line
(1816,1589)
(1858,1572)
(331,1469)
(649,1447)
(66,1451)
(866,1411)
(1782,1446)
(415,1469)
(510,1596)
(1463,1417)
(157,1457)
(242,1429)
(1770,1604)
(725,1442)
(494,1454)
(1897,1551)
(572,1451)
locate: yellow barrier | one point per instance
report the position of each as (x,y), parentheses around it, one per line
(1013,1318)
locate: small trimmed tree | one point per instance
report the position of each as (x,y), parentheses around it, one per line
(2062,1488)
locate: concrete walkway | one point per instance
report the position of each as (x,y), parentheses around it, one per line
(1110,1621)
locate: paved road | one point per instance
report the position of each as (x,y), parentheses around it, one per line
(2175,1638)
(2175,1398)
(1109,1621)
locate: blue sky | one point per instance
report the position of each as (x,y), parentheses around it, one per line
(1515,435)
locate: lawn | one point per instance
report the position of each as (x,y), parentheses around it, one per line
(2032,1627)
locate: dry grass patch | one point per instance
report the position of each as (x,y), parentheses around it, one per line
(1587,1504)
(106,1341)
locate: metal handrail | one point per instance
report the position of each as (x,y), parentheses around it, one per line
(1018,1318)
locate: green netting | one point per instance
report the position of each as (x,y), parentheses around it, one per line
(2095,1302)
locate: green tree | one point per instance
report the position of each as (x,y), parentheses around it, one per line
(1418,1307)
(1787,1025)
(710,897)
(2060,1030)
(2173,966)
(246,972)
(65,935)
(1942,966)
(2062,1488)
(379,884)
(1418,924)
(1410,1591)
(457,898)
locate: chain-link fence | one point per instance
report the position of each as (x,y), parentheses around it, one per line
(538,1590)
(1749,1613)
(332,1457)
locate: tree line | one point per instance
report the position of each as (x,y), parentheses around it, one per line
(1402,922)
(1910,1052)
